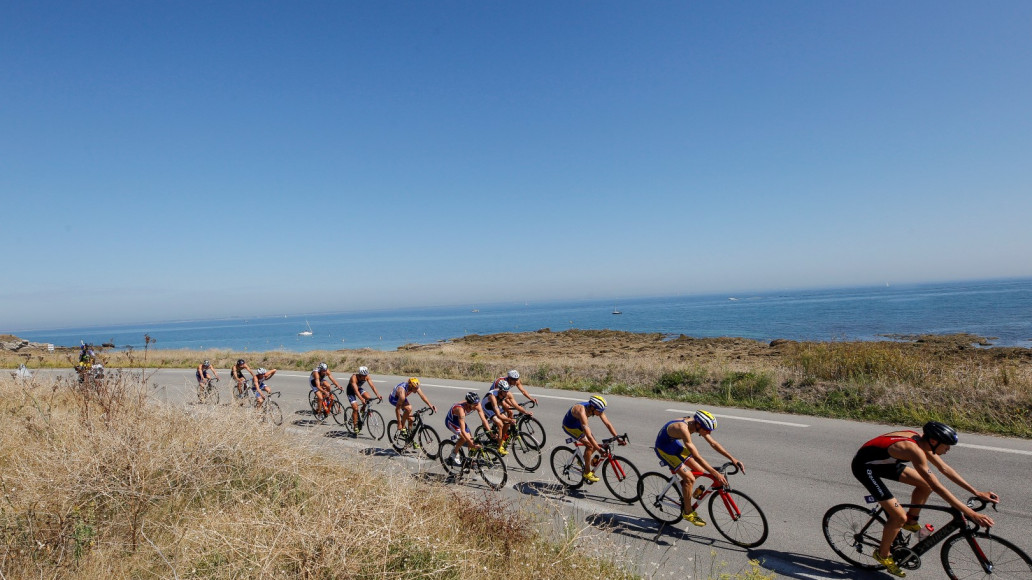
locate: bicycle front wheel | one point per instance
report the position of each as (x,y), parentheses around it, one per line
(447,447)
(526,450)
(339,417)
(738,518)
(271,412)
(1003,559)
(397,441)
(854,533)
(374,425)
(531,426)
(568,467)
(491,468)
(429,442)
(661,500)
(621,477)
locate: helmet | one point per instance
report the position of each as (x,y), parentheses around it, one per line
(323,367)
(363,371)
(472,398)
(207,363)
(241,363)
(514,374)
(413,381)
(598,403)
(941,432)
(260,371)
(705,420)
(504,386)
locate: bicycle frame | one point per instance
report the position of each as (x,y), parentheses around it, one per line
(605,454)
(729,502)
(958,524)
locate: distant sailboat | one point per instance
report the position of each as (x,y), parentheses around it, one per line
(615,311)
(306,332)
(475,309)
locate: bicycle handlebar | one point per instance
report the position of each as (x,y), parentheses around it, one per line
(728,469)
(625,437)
(424,410)
(981,503)
(528,404)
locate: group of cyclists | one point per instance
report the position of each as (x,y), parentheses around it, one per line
(905,456)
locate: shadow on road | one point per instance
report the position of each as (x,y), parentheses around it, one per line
(648,529)
(380,452)
(803,567)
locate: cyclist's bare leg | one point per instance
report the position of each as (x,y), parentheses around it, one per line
(895,517)
(407,415)
(921,490)
(687,482)
(240,386)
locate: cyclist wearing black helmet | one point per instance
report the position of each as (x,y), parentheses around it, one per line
(204,372)
(455,421)
(237,372)
(886,457)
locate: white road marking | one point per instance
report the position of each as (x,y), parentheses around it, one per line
(539,396)
(1000,449)
(785,423)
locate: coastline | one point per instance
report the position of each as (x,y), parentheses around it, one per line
(946,377)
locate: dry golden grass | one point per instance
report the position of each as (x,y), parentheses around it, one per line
(100,483)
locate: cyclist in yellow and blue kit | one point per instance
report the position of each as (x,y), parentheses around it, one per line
(575,424)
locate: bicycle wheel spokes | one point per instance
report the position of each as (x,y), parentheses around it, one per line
(854,534)
(526,450)
(397,441)
(447,447)
(271,412)
(374,425)
(491,468)
(567,467)
(429,442)
(737,517)
(661,502)
(339,416)
(999,558)
(532,427)
(621,477)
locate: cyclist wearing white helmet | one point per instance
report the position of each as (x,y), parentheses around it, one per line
(402,407)
(236,372)
(320,381)
(514,380)
(575,424)
(675,448)
(204,372)
(498,405)
(455,421)
(887,457)
(260,376)
(357,393)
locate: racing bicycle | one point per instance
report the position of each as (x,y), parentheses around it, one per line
(420,436)
(331,407)
(370,419)
(208,391)
(736,517)
(620,475)
(484,460)
(529,425)
(855,532)
(270,411)
(523,446)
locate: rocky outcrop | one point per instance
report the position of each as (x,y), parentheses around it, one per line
(14,344)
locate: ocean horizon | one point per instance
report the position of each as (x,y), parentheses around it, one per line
(1000,310)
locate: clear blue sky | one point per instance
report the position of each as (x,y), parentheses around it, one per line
(171,160)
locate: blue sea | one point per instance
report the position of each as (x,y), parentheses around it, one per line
(998,309)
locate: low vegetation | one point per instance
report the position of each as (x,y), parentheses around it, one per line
(906,381)
(98,483)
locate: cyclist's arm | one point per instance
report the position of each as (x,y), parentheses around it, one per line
(373,387)
(582,416)
(694,454)
(513,404)
(248,367)
(720,449)
(425,400)
(910,451)
(483,418)
(269,374)
(462,428)
(329,375)
(605,421)
(955,477)
(519,385)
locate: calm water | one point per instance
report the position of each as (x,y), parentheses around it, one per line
(999,309)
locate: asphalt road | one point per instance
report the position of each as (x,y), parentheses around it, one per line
(796,468)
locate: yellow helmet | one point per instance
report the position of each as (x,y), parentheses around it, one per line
(413,381)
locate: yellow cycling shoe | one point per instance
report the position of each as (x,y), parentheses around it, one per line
(890,565)
(695,519)
(912,526)
(590,477)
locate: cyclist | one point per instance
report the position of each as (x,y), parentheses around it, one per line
(237,372)
(260,376)
(674,447)
(455,422)
(320,380)
(499,404)
(357,394)
(513,378)
(886,457)
(399,398)
(203,370)
(575,424)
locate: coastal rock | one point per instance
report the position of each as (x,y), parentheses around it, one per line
(14,344)
(780,341)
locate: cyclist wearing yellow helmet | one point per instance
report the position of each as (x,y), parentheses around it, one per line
(575,424)
(675,448)
(402,408)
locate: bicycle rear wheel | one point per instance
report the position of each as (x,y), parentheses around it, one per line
(374,425)
(347,420)
(664,505)
(397,441)
(854,533)
(531,426)
(491,468)
(429,442)
(621,477)
(1006,560)
(568,467)
(525,450)
(738,518)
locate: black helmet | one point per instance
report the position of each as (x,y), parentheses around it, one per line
(941,432)
(240,362)
(472,398)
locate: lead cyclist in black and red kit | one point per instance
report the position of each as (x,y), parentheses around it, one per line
(886,457)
